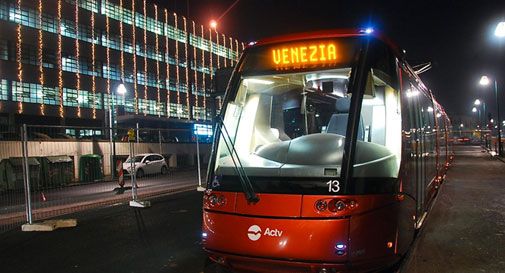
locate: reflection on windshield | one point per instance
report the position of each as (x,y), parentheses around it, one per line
(288,125)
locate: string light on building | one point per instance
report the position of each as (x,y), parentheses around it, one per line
(40,60)
(236,51)
(230,51)
(107,53)
(218,59)
(188,89)
(60,63)
(218,49)
(211,61)
(177,78)
(204,76)
(77,72)
(134,43)
(224,49)
(167,61)
(93,65)
(19,44)
(121,43)
(156,44)
(195,74)
(144,105)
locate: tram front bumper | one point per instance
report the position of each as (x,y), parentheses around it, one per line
(288,239)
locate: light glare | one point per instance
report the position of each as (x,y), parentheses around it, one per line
(477,102)
(213,24)
(121,89)
(484,80)
(500,30)
(265,82)
(474,110)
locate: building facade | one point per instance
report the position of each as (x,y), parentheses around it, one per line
(65,62)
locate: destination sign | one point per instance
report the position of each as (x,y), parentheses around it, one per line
(304,54)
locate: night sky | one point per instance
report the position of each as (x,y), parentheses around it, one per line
(456,36)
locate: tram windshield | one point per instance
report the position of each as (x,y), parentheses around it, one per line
(287,131)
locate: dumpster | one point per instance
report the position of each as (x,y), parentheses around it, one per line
(11,176)
(3,176)
(90,168)
(56,171)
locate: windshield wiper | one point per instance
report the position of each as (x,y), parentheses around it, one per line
(250,195)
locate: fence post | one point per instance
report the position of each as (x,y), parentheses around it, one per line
(26,174)
(199,188)
(133,174)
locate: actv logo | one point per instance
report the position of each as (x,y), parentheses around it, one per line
(254,232)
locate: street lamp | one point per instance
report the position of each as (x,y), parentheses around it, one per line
(476,102)
(484,80)
(500,30)
(120,90)
(474,109)
(213,24)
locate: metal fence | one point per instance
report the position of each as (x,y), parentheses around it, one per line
(46,171)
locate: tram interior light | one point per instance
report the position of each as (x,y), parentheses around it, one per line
(204,234)
(258,81)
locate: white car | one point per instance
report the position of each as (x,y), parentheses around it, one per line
(146,164)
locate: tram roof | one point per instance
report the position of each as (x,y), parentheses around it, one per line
(324,34)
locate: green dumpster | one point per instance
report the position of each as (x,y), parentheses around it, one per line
(56,171)
(12,173)
(3,175)
(90,168)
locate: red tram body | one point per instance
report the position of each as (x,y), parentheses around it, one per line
(327,156)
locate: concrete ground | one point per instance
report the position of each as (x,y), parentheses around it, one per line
(465,232)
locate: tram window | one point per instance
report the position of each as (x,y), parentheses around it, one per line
(378,153)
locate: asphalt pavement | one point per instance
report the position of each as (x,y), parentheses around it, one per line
(465,231)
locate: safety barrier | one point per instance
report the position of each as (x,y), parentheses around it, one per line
(47,171)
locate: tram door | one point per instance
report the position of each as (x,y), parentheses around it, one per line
(417,147)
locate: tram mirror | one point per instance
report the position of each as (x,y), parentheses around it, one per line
(328,87)
(370,88)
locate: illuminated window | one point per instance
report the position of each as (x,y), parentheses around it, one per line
(202,129)
(33,93)
(85,98)
(91,5)
(200,113)
(4,92)
(4,50)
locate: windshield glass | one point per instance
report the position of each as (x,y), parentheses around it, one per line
(137,159)
(287,125)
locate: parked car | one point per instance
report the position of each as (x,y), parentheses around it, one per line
(146,164)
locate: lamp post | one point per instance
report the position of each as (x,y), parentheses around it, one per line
(120,90)
(478,103)
(484,80)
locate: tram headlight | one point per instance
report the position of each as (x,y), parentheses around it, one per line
(215,200)
(340,248)
(321,205)
(336,205)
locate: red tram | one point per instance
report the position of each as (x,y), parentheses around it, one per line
(328,152)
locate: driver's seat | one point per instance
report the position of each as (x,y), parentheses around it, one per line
(338,121)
